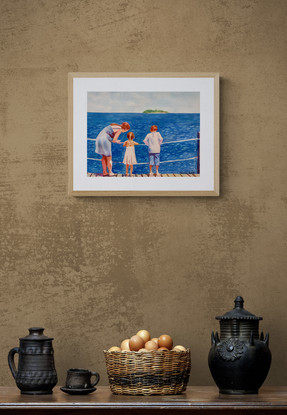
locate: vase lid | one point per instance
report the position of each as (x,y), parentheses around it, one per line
(36,334)
(238,312)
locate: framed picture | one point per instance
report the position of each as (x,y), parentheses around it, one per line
(143,134)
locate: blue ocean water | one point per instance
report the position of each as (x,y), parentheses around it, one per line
(173,127)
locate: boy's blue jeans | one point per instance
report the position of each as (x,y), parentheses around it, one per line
(154,159)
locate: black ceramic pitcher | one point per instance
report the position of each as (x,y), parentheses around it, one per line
(36,374)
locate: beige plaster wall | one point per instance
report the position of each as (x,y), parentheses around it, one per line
(93,271)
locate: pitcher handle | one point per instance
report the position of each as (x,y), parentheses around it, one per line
(97,378)
(11,361)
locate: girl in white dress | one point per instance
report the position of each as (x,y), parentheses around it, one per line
(130,155)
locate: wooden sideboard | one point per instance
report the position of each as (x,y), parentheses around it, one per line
(197,400)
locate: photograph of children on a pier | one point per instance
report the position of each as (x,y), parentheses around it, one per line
(143,134)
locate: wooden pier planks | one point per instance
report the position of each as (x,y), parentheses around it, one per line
(145,175)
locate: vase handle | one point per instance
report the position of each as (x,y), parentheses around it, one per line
(11,361)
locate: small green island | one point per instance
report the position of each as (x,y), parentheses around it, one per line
(155,112)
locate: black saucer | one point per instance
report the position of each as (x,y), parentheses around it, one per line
(77,391)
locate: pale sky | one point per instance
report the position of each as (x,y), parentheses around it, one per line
(138,102)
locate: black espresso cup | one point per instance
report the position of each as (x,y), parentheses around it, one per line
(81,379)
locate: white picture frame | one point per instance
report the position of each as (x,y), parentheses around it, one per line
(87,89)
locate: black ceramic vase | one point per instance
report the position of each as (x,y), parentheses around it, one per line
(239,361)
(36,373)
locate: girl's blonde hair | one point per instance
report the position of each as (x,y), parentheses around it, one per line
(130,135)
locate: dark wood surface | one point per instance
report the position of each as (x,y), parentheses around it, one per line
(196,400)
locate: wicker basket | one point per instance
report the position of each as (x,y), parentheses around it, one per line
(148,373)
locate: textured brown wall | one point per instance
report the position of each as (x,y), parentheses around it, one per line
(93,271)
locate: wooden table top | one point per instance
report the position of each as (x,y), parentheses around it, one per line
(195,400)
